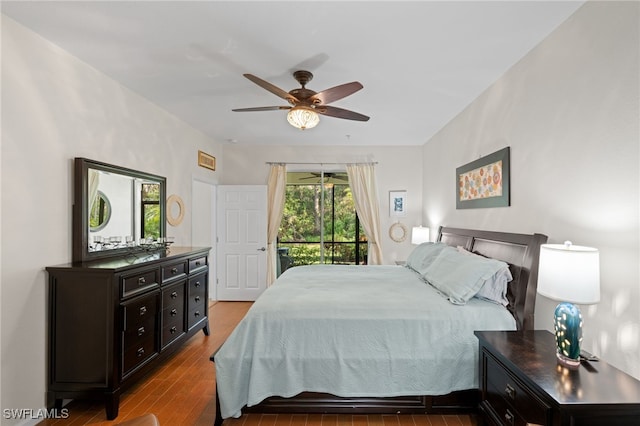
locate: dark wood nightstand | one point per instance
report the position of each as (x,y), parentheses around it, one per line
(522,384)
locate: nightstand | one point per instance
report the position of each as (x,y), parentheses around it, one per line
(522,384)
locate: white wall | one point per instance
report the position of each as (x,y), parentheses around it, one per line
(398,168)
(55,108)
(570,112)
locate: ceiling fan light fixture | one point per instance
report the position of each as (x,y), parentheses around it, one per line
(303,117)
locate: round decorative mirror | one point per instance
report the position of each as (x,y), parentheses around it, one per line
(100,212)
(175,210)
(398,232)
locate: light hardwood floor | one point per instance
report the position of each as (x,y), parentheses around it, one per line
(182,392)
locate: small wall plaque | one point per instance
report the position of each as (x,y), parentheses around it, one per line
(207,161)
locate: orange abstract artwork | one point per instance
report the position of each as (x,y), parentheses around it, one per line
(483,182)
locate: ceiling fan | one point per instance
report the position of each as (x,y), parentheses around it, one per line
(307,104)
(327,175)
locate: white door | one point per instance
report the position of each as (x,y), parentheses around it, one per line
(242,241)
(203,207)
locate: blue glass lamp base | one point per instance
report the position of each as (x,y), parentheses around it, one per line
(568,328)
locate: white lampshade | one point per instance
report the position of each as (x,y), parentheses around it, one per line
(419,235)
(303,117)
(569,273)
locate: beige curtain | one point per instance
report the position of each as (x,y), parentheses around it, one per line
(94,181)
(276,188)
(362,180)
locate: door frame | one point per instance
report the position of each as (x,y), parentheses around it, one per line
(212,217)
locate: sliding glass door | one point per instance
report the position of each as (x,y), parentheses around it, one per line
(319,223)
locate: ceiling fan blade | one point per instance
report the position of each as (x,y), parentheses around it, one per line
(335,93)
(271,88)
(267,108)
(332,111)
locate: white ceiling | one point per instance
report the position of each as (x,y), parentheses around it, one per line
(421,62)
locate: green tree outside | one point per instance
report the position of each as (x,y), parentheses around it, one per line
(305,216)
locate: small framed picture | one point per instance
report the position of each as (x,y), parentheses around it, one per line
(397,203)
(206,160)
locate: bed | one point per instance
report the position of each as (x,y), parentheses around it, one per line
(379,339)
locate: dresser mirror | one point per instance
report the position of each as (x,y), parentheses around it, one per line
(116,211)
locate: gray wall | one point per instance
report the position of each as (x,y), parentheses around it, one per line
(569,111)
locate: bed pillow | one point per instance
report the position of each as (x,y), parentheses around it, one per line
(494,288)
(423,256)
(460,276)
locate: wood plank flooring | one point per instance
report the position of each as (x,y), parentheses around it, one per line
(182,392)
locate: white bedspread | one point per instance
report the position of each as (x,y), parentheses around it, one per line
(352,331)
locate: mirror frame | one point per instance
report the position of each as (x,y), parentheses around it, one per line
(80,227)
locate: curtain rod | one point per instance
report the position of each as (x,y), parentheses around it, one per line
(321,164)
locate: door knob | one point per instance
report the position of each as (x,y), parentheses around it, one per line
(262,249)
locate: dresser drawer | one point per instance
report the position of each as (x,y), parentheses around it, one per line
(513,402)
(134,334)
(173,313)
(197,263)
(196,302)
(172,329)
(140,311)
(197,287)
(173,296)
(139,282)
(196,314)
(173,271)
(137,354)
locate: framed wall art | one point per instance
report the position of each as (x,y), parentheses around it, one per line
(207,161)
(397,203)
(484,182)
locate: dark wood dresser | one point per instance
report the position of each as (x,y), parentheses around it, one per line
(112,320)
(522,384)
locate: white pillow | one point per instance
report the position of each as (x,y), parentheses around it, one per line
(495,287)
(459,276)
(422,256)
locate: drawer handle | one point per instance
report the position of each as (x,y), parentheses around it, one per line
(143,310)
(509,417)
(141,281)
(198,263)
(140,352)
(510,391)
(173,329)
(196,314)
(197,298)
(141,331)
(174,312)
(174,294)
(174,270)
(197,284)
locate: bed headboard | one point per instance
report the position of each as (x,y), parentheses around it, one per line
(520,251)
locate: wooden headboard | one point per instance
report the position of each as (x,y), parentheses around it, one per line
(520,251)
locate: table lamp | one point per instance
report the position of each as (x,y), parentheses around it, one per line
(419,235)
(569,274)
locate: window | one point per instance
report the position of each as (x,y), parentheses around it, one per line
(319,223)
(150,211)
